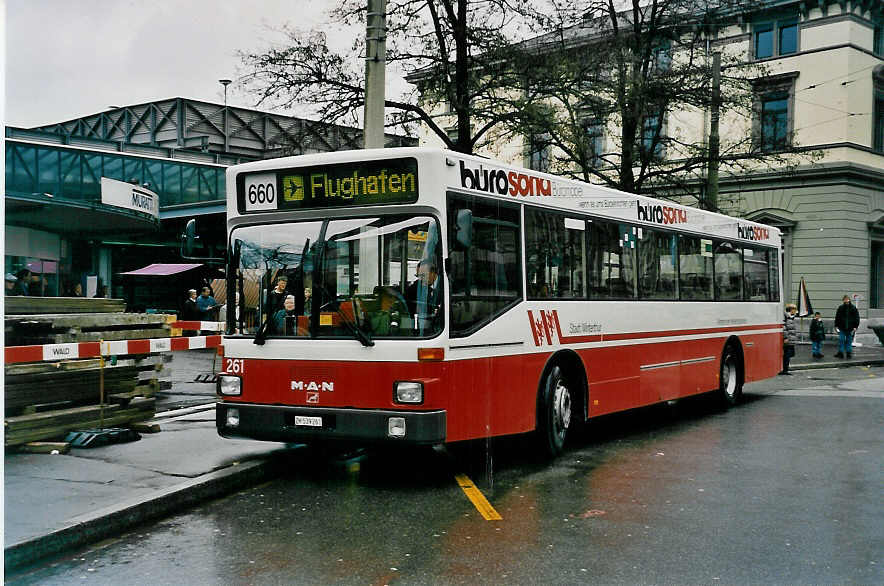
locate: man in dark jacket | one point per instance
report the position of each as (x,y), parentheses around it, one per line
(846,322)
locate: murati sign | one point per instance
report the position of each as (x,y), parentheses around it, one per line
(129,196)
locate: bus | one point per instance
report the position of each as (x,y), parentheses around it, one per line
(423,296)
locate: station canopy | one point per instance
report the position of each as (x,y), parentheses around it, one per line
(162,269)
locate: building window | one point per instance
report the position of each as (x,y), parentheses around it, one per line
(594,130)
(661,59)
(774,122)
(451,133)
(775,38)
(538,153)
(764,41)
(774,109)
(652,131)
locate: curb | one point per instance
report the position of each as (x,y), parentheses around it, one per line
(184,411)
(843,364)
(113,520)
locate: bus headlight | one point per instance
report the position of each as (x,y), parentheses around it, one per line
(409,392)
(232,417)
(229,386)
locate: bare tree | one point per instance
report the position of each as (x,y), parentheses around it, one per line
(460,56)
(621,71)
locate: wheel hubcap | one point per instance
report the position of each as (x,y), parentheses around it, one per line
(561,408)
(730,378)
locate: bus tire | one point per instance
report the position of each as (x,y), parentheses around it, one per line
(555,412)
(730,385)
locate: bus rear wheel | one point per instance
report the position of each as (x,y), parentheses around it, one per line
(730,389)
(555,410)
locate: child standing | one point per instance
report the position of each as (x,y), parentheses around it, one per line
(817,335)
(790,336)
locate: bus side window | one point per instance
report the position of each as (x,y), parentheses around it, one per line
(485,277)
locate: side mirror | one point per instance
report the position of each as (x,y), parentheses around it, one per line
(463,226)
(188,238)
(188,244)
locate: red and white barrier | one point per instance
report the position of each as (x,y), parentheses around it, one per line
(207,326)
(47,352)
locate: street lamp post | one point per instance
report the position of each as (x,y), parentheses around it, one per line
(225,83)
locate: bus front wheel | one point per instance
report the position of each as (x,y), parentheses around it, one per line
(730,388)
(554,412)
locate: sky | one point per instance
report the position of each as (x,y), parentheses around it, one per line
(68,58)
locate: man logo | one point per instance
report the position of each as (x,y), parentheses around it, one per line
(326,386)
(293,188)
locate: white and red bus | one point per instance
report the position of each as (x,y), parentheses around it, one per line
(424,296)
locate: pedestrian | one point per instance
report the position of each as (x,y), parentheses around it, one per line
(817,335)
(10,284)
(77,291)
(790,336)
(846,322)
(22,282)
(205,305)
(190,312)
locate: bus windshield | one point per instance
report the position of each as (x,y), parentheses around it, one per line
(361,278)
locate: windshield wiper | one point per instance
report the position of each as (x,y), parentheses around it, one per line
(363,335)
(261,335)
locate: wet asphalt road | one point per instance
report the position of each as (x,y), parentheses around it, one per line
(784,489)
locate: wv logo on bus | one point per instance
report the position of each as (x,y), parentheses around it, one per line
(545,327)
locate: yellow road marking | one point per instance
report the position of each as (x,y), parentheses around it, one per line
(477,498)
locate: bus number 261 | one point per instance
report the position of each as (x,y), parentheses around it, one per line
(234,365)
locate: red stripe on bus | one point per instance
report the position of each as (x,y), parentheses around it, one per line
(695,332)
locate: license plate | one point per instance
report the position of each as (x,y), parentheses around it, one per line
(305,421)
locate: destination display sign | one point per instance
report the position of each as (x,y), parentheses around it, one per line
(389,181)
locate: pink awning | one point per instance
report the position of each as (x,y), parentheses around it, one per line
(160,269)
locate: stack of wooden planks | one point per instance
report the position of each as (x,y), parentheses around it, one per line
(54,328)
(46,400)
(31,305)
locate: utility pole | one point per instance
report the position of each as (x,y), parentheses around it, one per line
(712,175)
(225,83)
(375,63)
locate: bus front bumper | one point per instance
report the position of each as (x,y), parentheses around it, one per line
(280,423)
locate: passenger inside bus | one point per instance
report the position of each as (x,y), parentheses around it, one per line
(285,320)
(391,313)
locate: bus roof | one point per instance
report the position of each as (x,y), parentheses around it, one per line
(472,174)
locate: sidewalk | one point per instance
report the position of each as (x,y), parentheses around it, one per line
(59,502)
(862,355)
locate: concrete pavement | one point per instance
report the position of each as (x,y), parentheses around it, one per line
(58,502)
